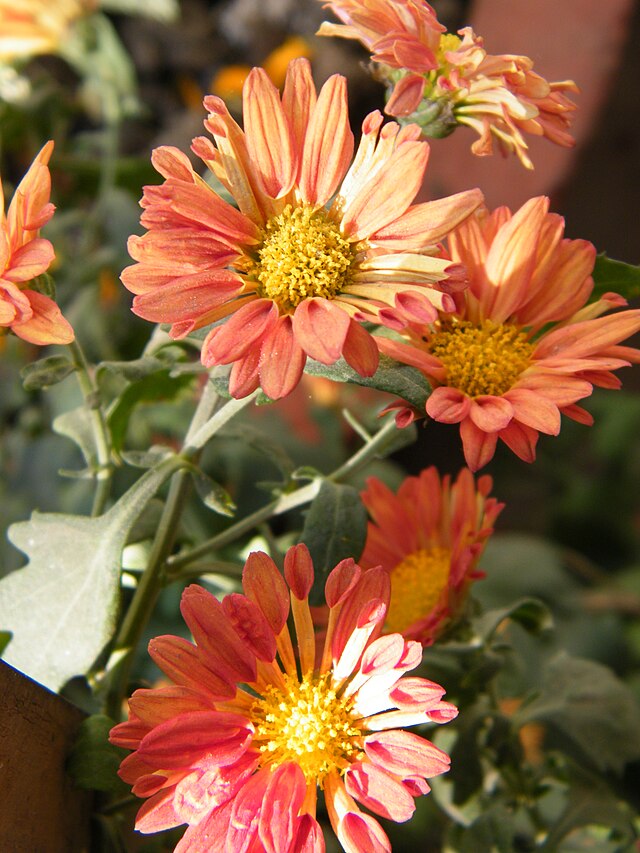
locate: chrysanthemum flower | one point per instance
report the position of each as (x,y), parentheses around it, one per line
(238,747)
(429,537)
(295,275)
(440,80)
(398,33)
(24,255)
(522,347)
(31,27)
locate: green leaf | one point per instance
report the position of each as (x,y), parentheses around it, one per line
(589,803)
(492,832)
(147,458)
(44,284)
(137,368)
(335,527)
(77,426)
(398,379)
(62,606)
(93,762)
(151,388)
(616,276)
(213,495)
(263,443)
(5,639)
(531,614)
(591,712)
(46,372)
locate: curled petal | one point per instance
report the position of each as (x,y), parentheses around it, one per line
(490,414)
(448,405)
(320,327)
(360,350)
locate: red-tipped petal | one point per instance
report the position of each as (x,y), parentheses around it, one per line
(406,754)
(281,360)
(250,625)
(280,806)
(263,584)
(379,792)
(360,350)
(215,636)
(320,327)
(479,446)
(298,570)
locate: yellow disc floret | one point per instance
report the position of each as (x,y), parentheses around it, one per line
(482,359)
(306,723)
(447,42)
(303,254)
(416,586)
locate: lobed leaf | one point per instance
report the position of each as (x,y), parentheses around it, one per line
(589,709)
(62,606)
(46,372)
(392,377)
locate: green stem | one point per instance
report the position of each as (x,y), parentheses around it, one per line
(283,504)
(203,426)
(91,395)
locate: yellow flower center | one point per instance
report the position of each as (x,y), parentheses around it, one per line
(482,359)
(303,254)
(447,42)
(307,723)
(416,586)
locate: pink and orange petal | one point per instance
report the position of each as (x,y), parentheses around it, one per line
(239,754)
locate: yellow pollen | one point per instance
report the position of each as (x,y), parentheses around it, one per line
(447,42)
(482,359)
(416,586)
(307,724)
(303,254)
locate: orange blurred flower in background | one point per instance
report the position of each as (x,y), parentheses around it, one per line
(522,346)
(440,80)
(29,27)
(238,746)
(429,538)
(297,278)
(24,255)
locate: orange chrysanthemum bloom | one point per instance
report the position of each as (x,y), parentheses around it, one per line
(239,745)
(429,537)
(30,27)
(24,255)
(522,347)
(296,276)
(440,80)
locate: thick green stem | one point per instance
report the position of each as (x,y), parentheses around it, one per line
(91,394)
(301,496)
(203,426)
